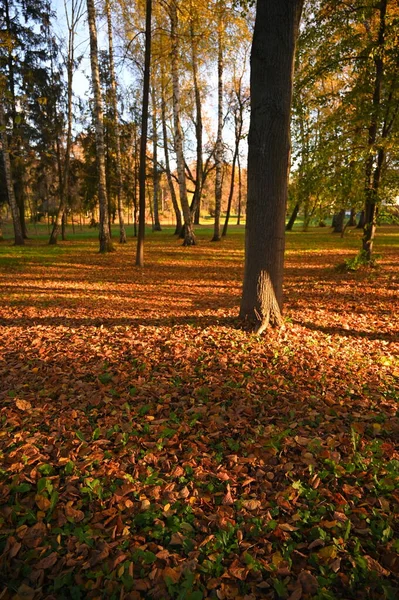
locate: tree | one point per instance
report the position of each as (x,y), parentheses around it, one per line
(143,139)
(72,22)
(272,59)
(18,234)
(104,236)
(115,124)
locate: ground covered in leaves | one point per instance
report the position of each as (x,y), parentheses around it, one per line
(150,448)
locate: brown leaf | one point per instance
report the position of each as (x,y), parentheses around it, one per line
(374,565)
(48,561)
(173,574)
(74,514)
(23,405)
(251,504)
(309,583)
(296,594)
(34,536)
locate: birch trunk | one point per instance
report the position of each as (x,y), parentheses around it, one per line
(189,237)
(156,224)
(115,123)
(18,234)
(104,237)
(219,138)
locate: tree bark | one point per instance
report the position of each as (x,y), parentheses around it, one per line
(219,138)
(18,233)
(143,139)
(239,190)
(272,59)
(189,237)
(104,236)
(338,221)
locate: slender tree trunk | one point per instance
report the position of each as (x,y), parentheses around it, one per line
(239,190)
(189,237)
(338,221)
(196,204)
(293,217)
(231,191)
(143,139)
(115,123)
(272,59)
(105,239)
(75,15)
(156,225)
(352,218)
(18,233)
(219,138)
(373,179)
(167,161)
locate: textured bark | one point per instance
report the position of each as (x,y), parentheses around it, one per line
(272,59)
(18,233)
(189,237)
(219,137)
(105,239)
(115,125)
(293,217)
(143,138)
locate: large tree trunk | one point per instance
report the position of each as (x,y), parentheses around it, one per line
(338,221)
(143,138)
(18,233)
(115,123)
(373,173)
(219,138)
(189,237)
(272,59)
(105,239)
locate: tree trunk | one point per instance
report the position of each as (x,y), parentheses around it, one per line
(156,224)
(115,123)
(219,138)
(338,221)
(189,237)
(104,237)
(293,217)
(75,16)
(196,204)
(362,220)
(352,218)
(231,191)
(239,190)
(18,233)
(167,162)
(272,59)
(143,138)
(373,178)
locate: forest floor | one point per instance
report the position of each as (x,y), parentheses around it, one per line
(150,448)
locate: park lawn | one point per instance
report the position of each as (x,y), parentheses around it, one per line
(152,448)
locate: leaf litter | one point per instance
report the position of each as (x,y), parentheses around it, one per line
(150,448)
